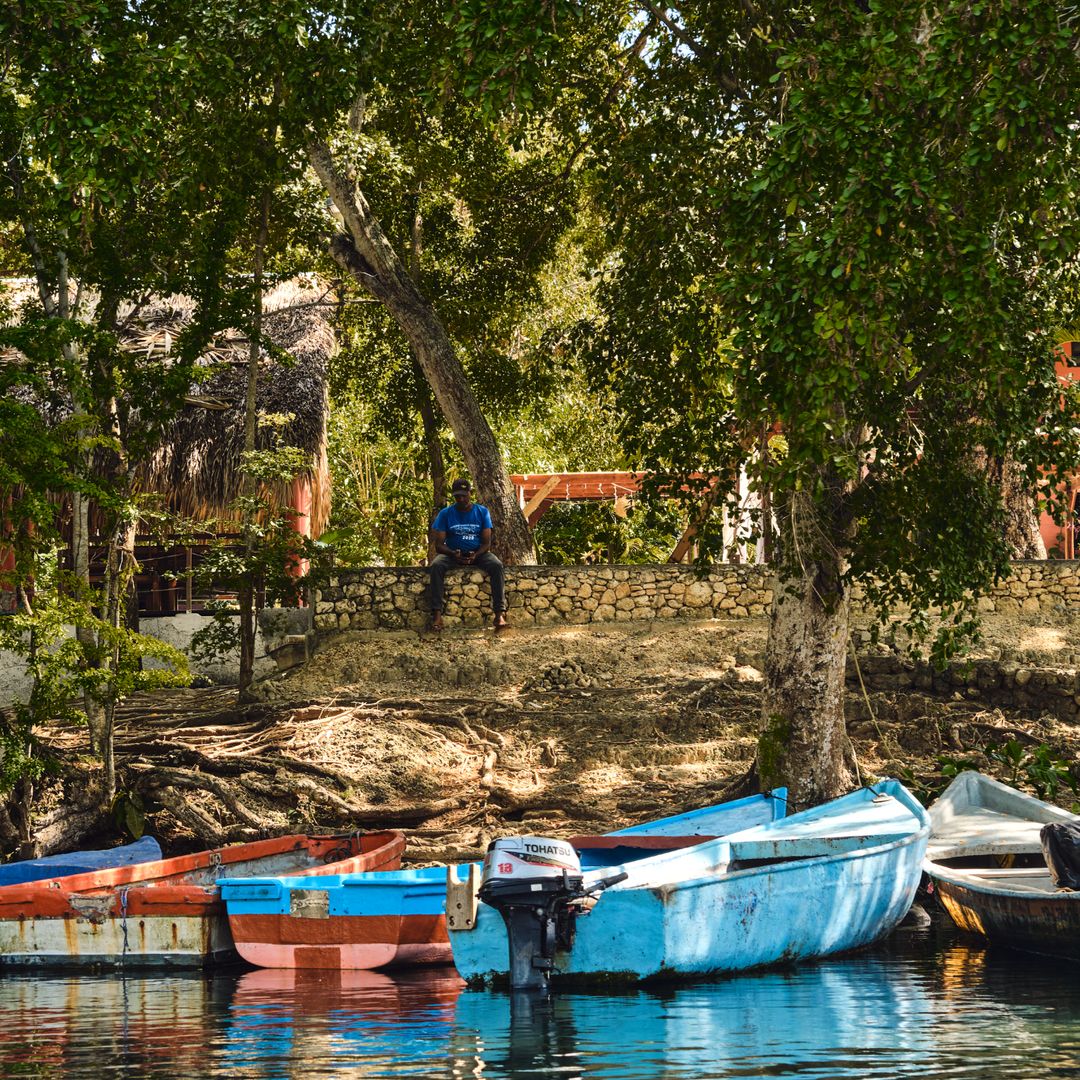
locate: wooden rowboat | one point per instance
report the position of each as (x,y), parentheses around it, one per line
(988,871)
(79,862)
(822,881)
(377,919)
(167,912)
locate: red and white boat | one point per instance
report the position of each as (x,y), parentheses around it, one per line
(168,912)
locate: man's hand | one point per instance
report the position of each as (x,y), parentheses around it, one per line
(468,558)
(460,556)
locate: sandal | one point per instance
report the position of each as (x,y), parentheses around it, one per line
(501,622)
(436,623)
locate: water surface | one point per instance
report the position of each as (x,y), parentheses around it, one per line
(922,1004)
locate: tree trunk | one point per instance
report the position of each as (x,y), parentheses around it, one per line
(365,252)
(80,565)
(120,570)
(433,445)
(1022,532)
(246,595)
(803,743)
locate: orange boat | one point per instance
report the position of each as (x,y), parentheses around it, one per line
(169,912)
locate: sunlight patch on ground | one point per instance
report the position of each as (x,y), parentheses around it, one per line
(1044,638)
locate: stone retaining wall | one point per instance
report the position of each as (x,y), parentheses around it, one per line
(1005,683)
(394,598)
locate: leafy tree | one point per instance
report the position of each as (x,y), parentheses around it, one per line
(107,197)
(856,223)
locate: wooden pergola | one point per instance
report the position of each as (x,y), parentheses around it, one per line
(537,492)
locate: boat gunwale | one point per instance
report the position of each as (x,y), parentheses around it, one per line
(946,874)
(716,876)
(55,895)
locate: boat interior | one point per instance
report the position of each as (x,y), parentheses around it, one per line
(305,854)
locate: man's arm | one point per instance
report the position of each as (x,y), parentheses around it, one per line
(438,538)
(485,544)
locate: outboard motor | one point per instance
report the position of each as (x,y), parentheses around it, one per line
(536,884)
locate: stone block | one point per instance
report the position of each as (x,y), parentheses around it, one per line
(698,594)
(604,612)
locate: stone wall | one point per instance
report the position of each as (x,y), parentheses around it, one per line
(393,598)
(1002,682)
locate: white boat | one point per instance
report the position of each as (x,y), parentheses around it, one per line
(986,861)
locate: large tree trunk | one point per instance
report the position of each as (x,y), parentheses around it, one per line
(1021,521)
(365,252)
(803,744)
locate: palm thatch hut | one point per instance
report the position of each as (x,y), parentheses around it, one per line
(197,471)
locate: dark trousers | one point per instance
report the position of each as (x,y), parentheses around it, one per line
(486,562)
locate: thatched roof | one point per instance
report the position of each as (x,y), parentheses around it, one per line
(197,469)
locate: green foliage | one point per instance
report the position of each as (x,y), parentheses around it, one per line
(382,496)
(267,555)
(855,224)
(219,639)
(1019,764)
(589,532)
(62,668)
(1038,766)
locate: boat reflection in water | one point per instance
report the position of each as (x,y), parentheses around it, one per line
(919,1005)
(86,1024)
(294,1022)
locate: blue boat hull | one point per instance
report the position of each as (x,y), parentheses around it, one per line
(697,913)
(398,917)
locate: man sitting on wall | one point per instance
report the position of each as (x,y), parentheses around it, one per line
(462,537)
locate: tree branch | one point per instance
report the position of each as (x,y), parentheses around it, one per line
(701,51)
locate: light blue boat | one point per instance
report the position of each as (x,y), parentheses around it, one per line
(822,881)
(396,917)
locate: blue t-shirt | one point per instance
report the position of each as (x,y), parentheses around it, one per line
(462,529)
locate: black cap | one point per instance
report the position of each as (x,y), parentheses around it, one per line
(461,484)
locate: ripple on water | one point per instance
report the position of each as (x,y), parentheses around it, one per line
(921,1005)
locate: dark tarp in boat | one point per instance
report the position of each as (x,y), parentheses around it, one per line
(1061,848)
(79,862)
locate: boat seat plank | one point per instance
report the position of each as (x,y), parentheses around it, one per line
(1011,878)
(982,831)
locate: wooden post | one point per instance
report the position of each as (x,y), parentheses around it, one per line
(537,500)
(187,580)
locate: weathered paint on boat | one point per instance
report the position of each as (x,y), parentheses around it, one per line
(980,826)
(836,877)
(164,913)
(1047,924)
(379,919)
(22,871)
